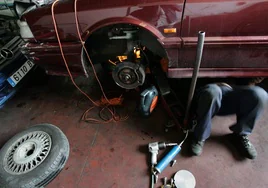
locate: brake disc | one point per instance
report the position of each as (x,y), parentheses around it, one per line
(129,75)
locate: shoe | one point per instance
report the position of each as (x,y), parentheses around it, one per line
(197,147)
(244,146)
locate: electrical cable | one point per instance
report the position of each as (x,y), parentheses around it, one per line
(83,45)
(104,103)
(63,56)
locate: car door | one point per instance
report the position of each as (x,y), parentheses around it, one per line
(236,42)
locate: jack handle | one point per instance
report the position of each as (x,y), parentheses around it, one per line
(199,52)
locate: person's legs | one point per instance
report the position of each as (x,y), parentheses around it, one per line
(208,104)
(252,101)
(248,103)
(208,101)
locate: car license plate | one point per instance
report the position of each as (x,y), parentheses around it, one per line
(16,77)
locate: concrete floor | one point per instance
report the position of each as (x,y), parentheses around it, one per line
(115,155)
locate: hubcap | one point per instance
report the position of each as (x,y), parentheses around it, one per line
(27,152)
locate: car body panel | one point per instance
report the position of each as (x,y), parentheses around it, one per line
(151,15)
(49,57)
(236,32)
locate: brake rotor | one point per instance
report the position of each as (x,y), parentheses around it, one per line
(129,75)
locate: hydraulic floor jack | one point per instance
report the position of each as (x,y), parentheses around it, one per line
(176,111)
(174,107)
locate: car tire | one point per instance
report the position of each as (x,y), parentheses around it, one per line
(33,157)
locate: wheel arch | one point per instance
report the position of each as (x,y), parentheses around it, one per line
(152,37)
(123,20)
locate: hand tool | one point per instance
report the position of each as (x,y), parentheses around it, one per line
(169,157)
(165,180)
(172,182)
(152,180)
(166,186)
(173,163)
(154,147)
(166,160)
(155,178)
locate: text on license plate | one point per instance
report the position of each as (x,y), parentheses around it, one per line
(20,73)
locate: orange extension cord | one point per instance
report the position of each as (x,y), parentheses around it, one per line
(104,103)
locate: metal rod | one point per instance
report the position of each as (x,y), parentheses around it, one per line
(152,181)
(199,52)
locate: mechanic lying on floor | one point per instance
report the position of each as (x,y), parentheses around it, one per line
(246,101)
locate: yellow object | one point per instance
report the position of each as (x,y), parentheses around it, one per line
(170,30)
(138,53)
(122,58)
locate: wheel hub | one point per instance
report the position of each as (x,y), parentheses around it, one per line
(129,75)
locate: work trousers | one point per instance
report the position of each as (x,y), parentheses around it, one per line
(247,102)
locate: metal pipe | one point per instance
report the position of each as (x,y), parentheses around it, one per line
(152,180)
(199,52)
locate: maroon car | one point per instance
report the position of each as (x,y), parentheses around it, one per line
(126,36)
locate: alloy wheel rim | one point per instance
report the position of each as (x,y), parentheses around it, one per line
(27,153)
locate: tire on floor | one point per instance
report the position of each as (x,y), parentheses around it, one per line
(33,157)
